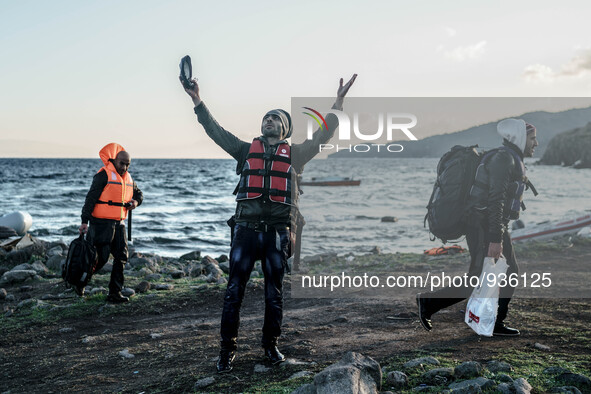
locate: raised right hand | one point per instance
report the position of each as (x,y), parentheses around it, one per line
(194,92)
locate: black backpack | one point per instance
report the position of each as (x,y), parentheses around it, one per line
(80,263)
(448,204)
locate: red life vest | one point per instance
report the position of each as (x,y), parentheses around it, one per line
(266,174)
(117,192)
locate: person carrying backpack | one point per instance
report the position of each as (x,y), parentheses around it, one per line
(494,199)
(112,194)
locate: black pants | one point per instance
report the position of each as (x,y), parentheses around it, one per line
(477,239)
(272,248)
(109,237)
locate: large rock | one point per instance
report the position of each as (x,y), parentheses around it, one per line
(3,293)
(480,382)
(571,379)
(40,268)
(521,386)
(20,267)
(195,255)
(143,286)
(17,276)
(468,369)
(24,255)
(566,390)
(55,263)
(499,366)
(397,379)
(353,374)
(143,261)
(438,376)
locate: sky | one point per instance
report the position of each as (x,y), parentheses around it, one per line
(75,75)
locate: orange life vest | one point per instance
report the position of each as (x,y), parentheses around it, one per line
(117,192)
(278,172)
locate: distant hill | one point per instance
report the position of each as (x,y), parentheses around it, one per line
(570,148)
(548,124)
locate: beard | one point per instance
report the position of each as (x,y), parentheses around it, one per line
(275,133)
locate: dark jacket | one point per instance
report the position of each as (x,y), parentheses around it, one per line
(99,181)
(491,195)
(260,209)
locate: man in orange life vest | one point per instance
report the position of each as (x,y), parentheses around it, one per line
(111,195)
(265,213)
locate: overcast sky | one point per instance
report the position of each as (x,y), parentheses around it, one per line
(75,75)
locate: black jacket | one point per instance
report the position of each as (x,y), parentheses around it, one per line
(491,195)
(99,181)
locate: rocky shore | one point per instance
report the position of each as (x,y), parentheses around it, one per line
(570,148)
(166,338)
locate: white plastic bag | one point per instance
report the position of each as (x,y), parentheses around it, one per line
(481,311)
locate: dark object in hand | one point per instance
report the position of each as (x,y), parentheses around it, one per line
(186,72)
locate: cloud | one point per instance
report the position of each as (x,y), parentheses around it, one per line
(451,32)
(578,66)
(469,52)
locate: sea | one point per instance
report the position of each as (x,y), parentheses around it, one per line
(188,201)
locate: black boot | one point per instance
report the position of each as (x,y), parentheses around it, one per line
(79,290)
(224,363)
(274,355)
(117,298)
(503,331)
(424,316)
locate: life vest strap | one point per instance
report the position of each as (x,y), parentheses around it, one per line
(268,156)
(117,204)
(278,174)
(269,192)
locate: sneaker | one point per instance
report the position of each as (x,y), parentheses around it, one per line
(424,317)
(117,298)
(224,363)
(503,331)
(274,355)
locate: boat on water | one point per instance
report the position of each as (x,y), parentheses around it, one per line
(551,229)
(331,181)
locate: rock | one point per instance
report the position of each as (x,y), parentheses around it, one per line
(40,268)
(10,298)
(354,373)
(98,290)
(127,292)
(155,336)
(7,232)
(225,267)
(300,374)
(305,389)
(55,251)
(341,319)
(3,293)
(376,250)
(31,302)
(472,388)
(55,263)
(164,286)
(574,379)
(259,368)
(498,366)
(468,369)
(555,371)
(125,354)
(221,281)
(108,267)
(438,376)
(177,274)
(481,382)
(17,276)
(253,274)
(222,259)
(25,289)
(566,390)
(505,378)
(142,287)
(423,387)
(570,148)
(521,386)
(89,339)
(196,270)
(203,383)
(25,266)
(24,255)
(397,379)
(420,362)
(389,219)
(66,330)
(539,346)
(505,388)
(144,262)
(195,255)
(154,277)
